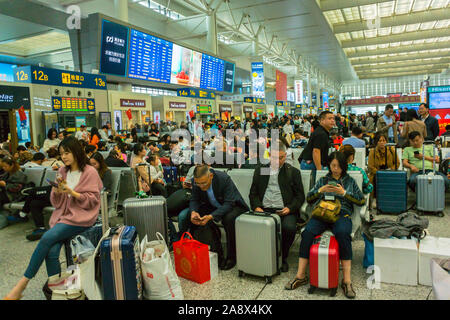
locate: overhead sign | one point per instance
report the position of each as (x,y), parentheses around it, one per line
(177,105)
(248,109)
(254,100)
(403,99)
(224,108)
(56,77)
(298,88)
(12,97)
(204,108)
(281,103)
(113,59)
(68,104)
(196,93)
(325,100)
(132,103)
(258,84)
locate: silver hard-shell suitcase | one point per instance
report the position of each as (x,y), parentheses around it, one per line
(430,190)
(148,215)
(258,244)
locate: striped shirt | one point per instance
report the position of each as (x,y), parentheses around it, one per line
(367,186)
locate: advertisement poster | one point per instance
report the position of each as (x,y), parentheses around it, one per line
(113,59)
(325,100)
(105,117)
(157,116)
(258,84)
(443,116)
(118,120)
(298,86)
(281,86)
(186,67)
(80,120)
(23,128)
(7,72)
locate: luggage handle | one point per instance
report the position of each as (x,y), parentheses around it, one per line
(423,156)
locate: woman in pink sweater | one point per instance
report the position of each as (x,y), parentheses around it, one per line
(77,203)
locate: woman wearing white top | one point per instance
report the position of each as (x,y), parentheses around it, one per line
(157,174)
(52,140)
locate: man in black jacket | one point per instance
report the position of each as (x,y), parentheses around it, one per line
(215,197)
(431,122)
(279,192)
(113,160)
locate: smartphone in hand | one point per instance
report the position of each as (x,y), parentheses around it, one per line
(52,183)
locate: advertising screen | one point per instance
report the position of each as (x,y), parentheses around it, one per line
(14,97)
(113,58)
(23,128)
(186,67)
(258,85)
(7,72)
(439,100)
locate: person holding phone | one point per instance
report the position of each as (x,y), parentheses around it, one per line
(77,203)
(277,188)
(339,185)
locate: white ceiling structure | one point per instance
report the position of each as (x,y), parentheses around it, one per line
(392,38)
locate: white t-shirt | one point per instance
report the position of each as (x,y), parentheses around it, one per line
(73,177)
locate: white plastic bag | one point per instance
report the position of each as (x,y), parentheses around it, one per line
(160,280)
(441,278)
(81,248)
(66,286)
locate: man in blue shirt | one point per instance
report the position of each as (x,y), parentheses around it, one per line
(387,125)
(215,197)
(355,140)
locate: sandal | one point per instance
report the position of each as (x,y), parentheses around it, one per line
(294,284)
(349,292)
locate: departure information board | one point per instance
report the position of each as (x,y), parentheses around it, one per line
(212,73)
(150,57)
(154,59)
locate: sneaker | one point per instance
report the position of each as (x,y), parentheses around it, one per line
(36,234)
(22,214)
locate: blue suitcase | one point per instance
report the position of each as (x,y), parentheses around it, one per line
(170,174)
(120,265)
(391,188)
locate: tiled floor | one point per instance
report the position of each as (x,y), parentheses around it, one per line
(15,252)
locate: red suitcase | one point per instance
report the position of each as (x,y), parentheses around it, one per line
(324,264)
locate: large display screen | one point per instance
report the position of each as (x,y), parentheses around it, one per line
(114,48)
(155,59)
(14,97)
(439,100)
(150,57)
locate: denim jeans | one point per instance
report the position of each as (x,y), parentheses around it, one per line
(184,221)
(310,166)
(49,248)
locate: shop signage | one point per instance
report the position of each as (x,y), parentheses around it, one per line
(281,86)
(281,103)
(403,99)
(298,87)
(439,89)
(132,103)
(224,108)
(248,109)
(55,77)
(12,97)
(177,105)
(204,108)
(196,93)
(254,100)
(69,104)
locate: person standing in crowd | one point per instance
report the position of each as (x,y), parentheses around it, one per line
(431,122)
(413,124)
(77,204)
(381,158)
(348,193)
(403,114)
(315,155)
(82,134)
(356,140)
(52,140)
(215,197)
(282,193)
(95,137)
(370,123)
(387,125)
(413,159)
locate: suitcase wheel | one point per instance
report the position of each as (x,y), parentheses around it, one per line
(241,273)
(311,289)
(333,292)
(268,279)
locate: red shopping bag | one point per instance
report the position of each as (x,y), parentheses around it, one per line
(191,259)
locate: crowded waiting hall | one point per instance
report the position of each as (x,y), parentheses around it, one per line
(224,150)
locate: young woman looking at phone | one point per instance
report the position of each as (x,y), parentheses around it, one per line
(77,203)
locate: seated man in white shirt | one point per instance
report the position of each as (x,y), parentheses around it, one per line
(38,159)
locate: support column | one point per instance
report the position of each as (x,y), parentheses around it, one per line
(308,79)
(255,48)
(121,10)
(318,93)
(211,37)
